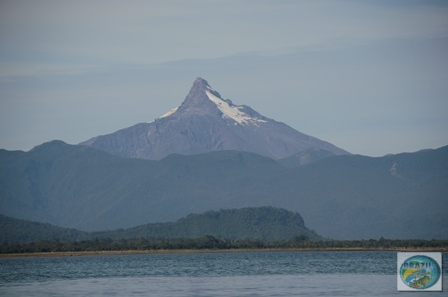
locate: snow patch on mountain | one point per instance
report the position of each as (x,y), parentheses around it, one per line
(232,111)
(169,112)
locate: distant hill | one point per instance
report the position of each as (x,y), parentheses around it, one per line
(341,197)
(205,122)
(264,223)
(21,231)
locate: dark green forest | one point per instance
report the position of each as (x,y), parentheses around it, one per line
(341,197)
(251,223)
(211,243)
(246,228)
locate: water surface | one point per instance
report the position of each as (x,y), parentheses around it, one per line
(206,274)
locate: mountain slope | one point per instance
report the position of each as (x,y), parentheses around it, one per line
(87,189)
(206,122)
(305,157)
(397,196)
(341,197)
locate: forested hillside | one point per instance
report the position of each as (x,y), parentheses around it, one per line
(264,224)
(341,197)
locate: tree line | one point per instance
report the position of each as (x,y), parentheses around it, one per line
(210,242)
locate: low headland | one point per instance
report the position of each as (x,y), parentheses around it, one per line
(234,230)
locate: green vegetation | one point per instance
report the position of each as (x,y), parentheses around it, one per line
(246,228)
(210,242)
(262,223)
(343,197)
(22,231)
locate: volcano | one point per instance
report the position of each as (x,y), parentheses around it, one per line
(206,122)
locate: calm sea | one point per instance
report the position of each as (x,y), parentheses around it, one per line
(207,274)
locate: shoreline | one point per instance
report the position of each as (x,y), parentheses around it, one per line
(198,251)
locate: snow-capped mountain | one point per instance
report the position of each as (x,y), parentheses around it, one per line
(206,122)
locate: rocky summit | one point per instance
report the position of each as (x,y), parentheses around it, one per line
(206,122)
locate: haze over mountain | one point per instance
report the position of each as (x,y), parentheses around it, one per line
(341,197)
(206,122)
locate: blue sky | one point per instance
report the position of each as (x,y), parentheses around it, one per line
(368,76)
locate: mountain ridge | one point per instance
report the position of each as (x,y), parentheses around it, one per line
(364,197)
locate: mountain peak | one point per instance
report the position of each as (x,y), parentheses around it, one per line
(206,122)
(203,100)
(197,97)
(201,83)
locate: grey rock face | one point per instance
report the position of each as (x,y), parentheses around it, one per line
(206,122)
